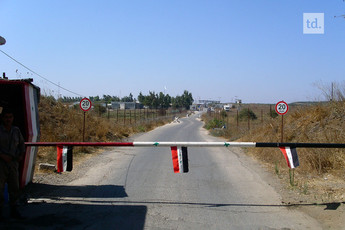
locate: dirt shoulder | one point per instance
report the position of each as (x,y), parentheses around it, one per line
(322,198)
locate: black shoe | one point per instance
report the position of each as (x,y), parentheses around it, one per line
(15,214)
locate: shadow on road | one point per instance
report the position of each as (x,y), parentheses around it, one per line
(79,216)
(87,191)
(61,214)
(91,207)
(329,206)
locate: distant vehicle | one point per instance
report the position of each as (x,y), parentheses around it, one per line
(226,108)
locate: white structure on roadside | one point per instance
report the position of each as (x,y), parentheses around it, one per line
(125,105)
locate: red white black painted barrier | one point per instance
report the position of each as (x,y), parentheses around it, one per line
(180,154)
(64,158)
(180,159)
(291,156)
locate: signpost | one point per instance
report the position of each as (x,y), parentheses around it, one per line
(282,108)
(85,105)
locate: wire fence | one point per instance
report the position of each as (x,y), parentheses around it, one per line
(140,116)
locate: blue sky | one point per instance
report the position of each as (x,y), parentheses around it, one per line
(253,50)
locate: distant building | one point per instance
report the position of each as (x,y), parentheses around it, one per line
(200,105)
(125,105)
(194,107)
(206,102)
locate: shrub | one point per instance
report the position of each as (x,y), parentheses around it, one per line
(223,114)
(99,109)
(247,113)
(214,123)
(273,114)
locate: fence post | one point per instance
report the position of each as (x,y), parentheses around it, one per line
(248,120)
(237,119)
(271,111)
(124,116)
(156,116)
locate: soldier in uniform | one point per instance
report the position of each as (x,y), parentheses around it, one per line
(12,149)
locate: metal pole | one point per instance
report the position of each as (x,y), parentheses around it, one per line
(271,111)
(282,129)
(146,144)
(248,120)
(237,118)
(124,116)
(193,144)
(84,127)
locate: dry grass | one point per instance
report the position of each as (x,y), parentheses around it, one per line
(322,123)
(61,123)
(319,123)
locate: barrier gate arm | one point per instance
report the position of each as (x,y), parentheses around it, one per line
(179,150)
(191,144)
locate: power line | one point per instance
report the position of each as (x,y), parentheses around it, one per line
(41,75)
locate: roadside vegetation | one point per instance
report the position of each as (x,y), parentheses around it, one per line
(321,170)
(62,121)
(152,100)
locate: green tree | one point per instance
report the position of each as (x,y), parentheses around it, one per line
(107,98)
(187,99)
(141,98)
(161,100)
(166,101)
(128,98)
(115,98)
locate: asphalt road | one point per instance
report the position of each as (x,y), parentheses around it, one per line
(135,188)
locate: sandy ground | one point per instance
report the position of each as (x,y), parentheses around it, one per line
(328,210)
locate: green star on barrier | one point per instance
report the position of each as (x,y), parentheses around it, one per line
(226,144)
(156,144)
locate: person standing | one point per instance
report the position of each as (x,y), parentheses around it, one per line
(12,149)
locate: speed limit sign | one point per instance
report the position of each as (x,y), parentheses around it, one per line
(85,104)
(282,107)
